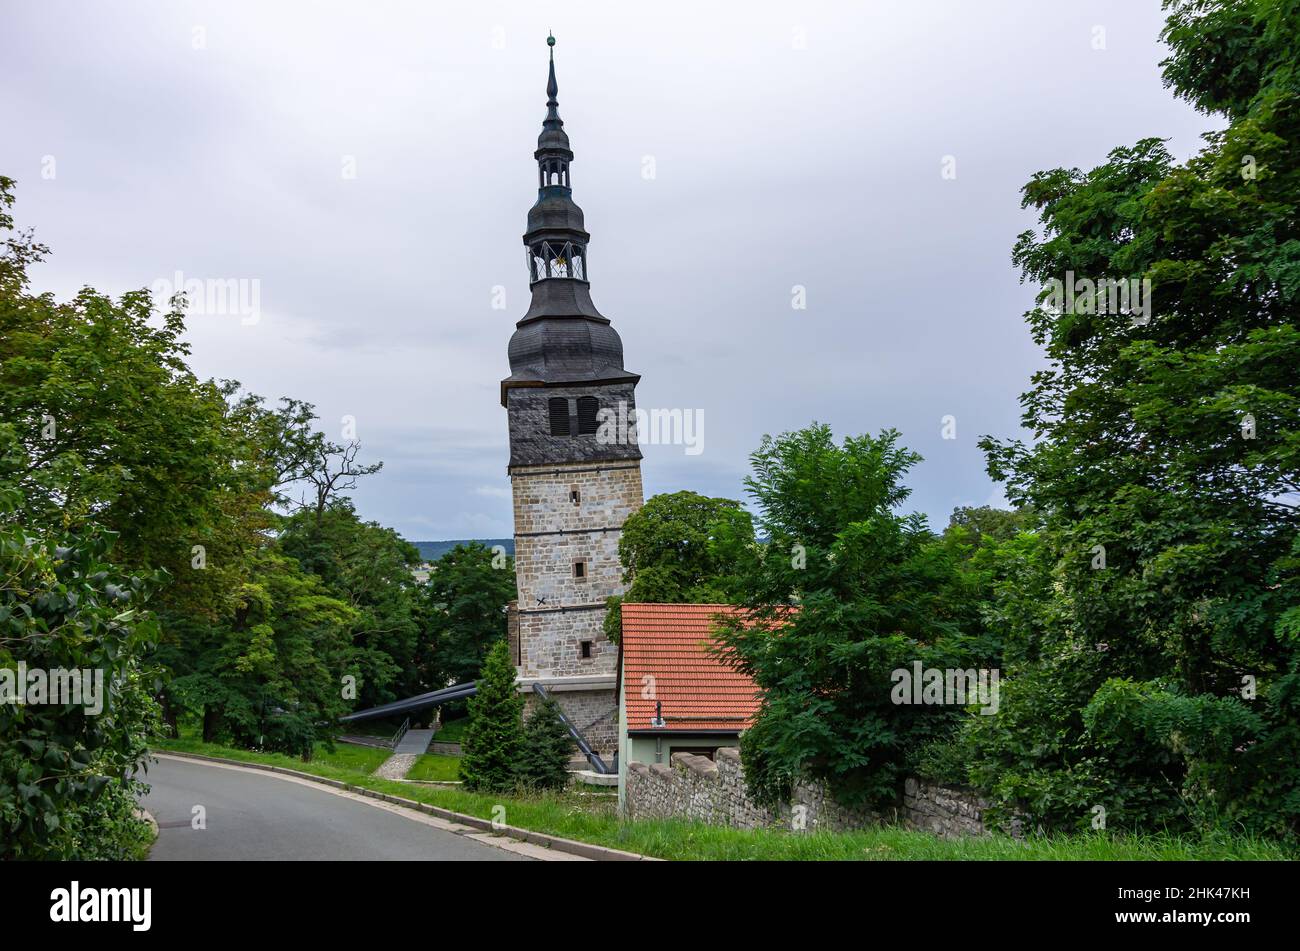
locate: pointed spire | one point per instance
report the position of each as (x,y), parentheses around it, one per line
(553,135)
(553,120)
(551,87)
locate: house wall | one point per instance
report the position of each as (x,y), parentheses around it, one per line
(656,749)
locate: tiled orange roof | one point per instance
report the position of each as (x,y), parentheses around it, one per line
(668,647)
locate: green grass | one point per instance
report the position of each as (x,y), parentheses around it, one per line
(593,819)
(140,839)
(452,732)
(434,768)
(345,761)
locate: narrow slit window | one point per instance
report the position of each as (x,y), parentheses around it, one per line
(586,650)
(574,495)
(580,570)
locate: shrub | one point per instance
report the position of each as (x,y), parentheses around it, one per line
(68,775)
(547,747)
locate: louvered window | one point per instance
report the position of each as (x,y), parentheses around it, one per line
(587,407)
(559,410)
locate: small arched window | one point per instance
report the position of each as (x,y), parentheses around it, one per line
(559,413)
(587,410)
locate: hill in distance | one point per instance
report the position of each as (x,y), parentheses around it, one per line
(432,551)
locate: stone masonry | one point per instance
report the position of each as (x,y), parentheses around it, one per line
(566,514)
(557,610)
(591,711)
(693,787)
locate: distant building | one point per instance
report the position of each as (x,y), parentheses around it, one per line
(676,694)
(572,490)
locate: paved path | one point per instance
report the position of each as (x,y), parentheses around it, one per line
(396,766)
(411,747)
(256,815)
(414,741)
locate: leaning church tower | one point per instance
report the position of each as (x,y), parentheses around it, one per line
(572,490)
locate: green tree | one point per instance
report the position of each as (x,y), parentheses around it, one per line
(869,588)
(984,524)
(465,611)
(493,740)
(110,429)
(271,676)
(682,548)
(997,592)
(1165,459)
(368,567)
(68,772)
(113,426)
(547,748)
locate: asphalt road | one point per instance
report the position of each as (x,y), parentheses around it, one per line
(253,816)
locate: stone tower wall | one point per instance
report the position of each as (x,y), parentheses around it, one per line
(558,611)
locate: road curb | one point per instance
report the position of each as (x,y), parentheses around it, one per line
(586,850)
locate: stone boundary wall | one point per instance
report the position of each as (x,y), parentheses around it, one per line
(713,791)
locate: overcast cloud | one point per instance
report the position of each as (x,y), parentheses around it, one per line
(792,144)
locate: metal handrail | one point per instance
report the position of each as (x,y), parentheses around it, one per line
(592,756)
(401,732)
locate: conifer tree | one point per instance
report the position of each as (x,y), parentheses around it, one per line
(493,739)
(547,748)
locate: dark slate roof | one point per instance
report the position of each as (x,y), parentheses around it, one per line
(553,138)
(563,338)
(562,297)
(555,211)
(554,350)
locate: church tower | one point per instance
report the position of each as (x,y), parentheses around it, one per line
(573,481)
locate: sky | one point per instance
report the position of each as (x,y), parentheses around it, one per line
(358,174)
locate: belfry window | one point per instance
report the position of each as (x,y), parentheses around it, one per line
(588,408)
(573,418)
(556,260)
(558,409)
(553,173)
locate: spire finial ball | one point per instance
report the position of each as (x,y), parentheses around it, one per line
(550,40)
